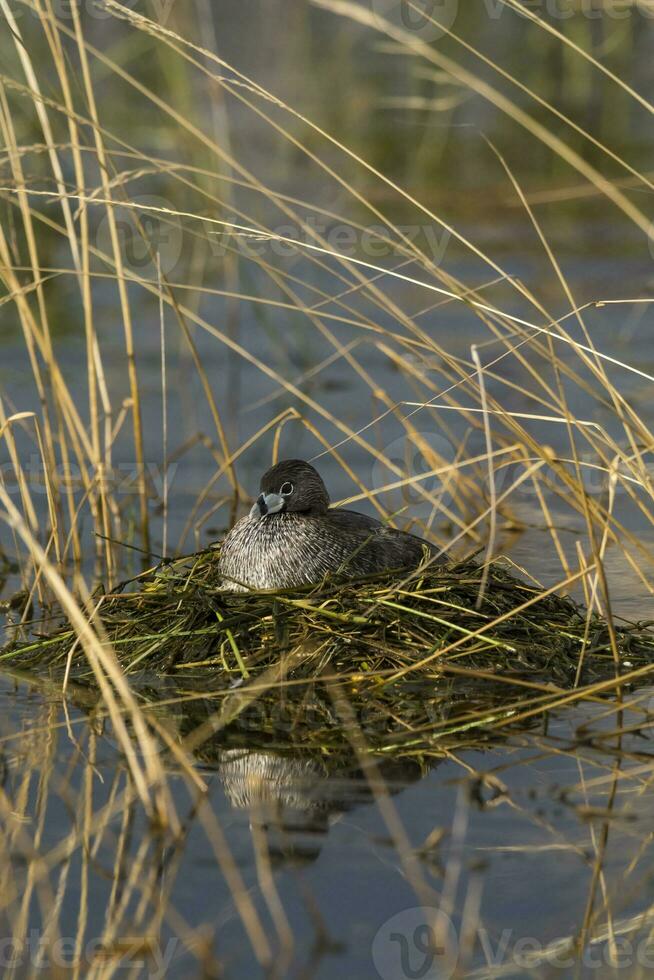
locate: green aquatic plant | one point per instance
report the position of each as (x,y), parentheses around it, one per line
(176,617)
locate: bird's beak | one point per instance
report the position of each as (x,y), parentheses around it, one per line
(267,503)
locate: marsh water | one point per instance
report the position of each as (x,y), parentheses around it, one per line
(510,832)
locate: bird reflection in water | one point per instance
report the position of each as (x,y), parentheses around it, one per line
(290,764)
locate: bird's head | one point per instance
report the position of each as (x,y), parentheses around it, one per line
(291,487)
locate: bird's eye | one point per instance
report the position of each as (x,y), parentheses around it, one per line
(286,489)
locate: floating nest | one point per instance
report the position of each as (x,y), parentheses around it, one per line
(175,618)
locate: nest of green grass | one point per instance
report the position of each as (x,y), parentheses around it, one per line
(176,618)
